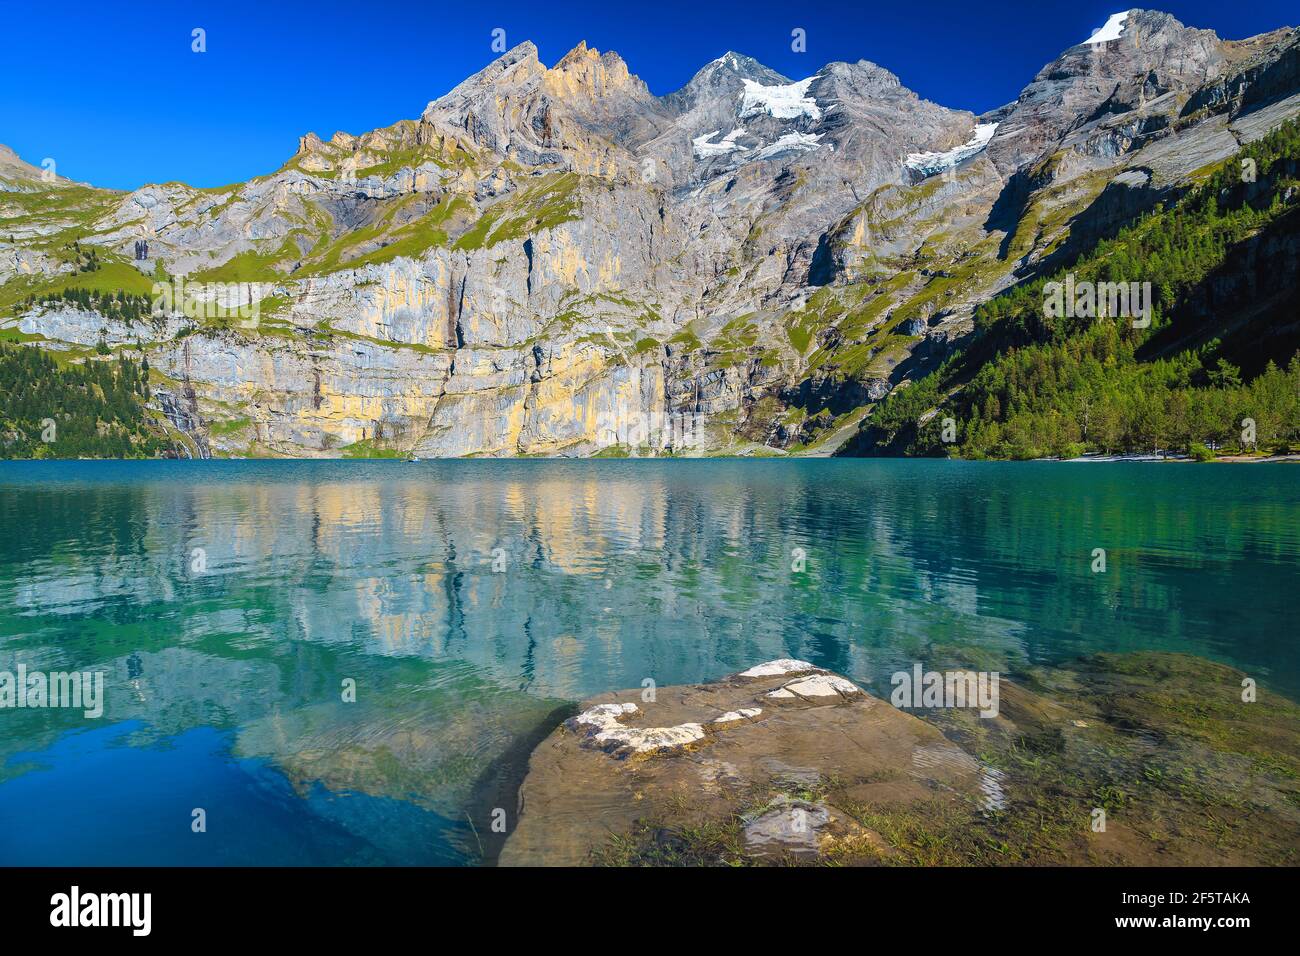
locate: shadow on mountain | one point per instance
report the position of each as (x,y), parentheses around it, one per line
(1250,303)
(1125,198)
(1009,208)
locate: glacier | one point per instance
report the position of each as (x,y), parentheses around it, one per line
(789,142)
(789,101)
(705,149)
(927,164)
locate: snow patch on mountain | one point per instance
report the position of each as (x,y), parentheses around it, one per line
(930,163)
(1113,30)
(782,102)
(705,149)
(788,143)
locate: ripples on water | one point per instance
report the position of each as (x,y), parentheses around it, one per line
(224,685)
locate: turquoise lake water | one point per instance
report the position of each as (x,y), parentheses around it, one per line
(473,603)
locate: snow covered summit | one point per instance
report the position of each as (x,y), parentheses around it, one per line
(1113,30)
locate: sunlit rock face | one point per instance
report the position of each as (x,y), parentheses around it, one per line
(555,261)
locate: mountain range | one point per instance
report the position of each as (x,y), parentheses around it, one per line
(555,261)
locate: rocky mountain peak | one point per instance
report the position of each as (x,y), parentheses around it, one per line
(1134,60)
(521,53)
(309,143)
(1137,42)
(519,67)
(586,72)
(743,66)
(720,78)
(1135,26)
(583,58)
(864,79)
(577,54)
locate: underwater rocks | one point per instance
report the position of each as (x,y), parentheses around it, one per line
(763,744)
(1114,760)
(791,826)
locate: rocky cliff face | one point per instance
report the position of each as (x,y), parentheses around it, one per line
(556,261)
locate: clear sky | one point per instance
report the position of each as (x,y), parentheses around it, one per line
(113,93)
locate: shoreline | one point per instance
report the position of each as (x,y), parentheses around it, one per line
(1180,459)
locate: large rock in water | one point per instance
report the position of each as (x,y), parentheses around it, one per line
(1146,759)
(761,744)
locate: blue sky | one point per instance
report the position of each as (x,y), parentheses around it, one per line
(112,91)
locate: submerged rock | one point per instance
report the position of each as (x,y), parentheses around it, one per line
(792,826)
(1137,759)
(716,754)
